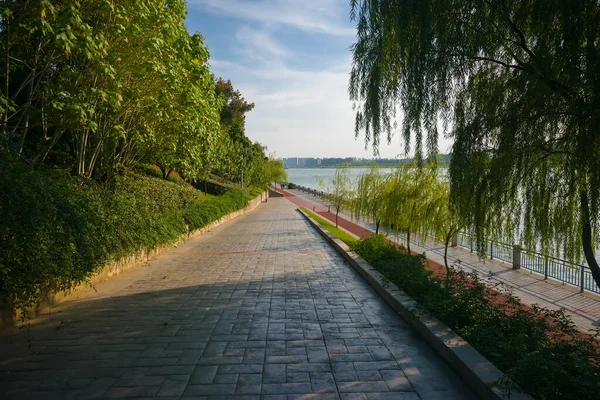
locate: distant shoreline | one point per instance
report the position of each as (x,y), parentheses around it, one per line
(350,166)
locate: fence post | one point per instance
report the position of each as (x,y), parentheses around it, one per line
(516,259)
(582,285)
(471,243)
(455,240)
(491,250)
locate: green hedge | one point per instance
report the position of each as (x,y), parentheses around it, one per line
(539,349)
(56,230)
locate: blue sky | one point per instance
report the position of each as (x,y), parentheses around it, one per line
(291,58)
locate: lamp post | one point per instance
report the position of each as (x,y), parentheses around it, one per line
(243,158)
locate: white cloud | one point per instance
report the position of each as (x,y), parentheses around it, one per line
(300,111)
(326,16)
(255,43)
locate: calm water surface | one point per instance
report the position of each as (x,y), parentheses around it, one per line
(308,177)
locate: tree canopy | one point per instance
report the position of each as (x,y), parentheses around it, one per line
(96,86)
(516,85)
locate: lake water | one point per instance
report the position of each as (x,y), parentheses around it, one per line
(308,177)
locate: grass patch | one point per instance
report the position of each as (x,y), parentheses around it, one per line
(329,227)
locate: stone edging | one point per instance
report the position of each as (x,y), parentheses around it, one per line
(482,376)
(117,267)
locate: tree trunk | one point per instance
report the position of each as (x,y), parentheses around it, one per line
(586,239)
(336,217)
(446,255)
(169,173)
(408,241)
(377,226)
(163,170)
(7,70)
(205,186)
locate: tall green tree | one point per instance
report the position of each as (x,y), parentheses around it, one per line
(371,193)
(97,85)
(517,84)
(338,190)
(233,112)
(410,199)
(445,222)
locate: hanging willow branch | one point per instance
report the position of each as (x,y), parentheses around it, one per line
(517,84)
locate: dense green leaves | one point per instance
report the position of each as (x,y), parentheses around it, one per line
(517,85)
(57,230)
(338,191)
(98,85)
(539,349)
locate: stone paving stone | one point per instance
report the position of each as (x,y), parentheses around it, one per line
(249,384)
(285,388)
(260,308)
(173,386)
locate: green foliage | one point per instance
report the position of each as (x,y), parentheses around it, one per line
(541,350)
(276,170)
(517,86)
(371,196)
(95,86)
(233,112)
(57,230)
(202,213)
(329,227)
(338,191)
(410,200)
(291,185)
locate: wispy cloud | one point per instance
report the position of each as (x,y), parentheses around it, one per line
(256,43)
(325,16)
(298,80)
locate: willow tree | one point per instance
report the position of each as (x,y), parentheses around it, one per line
(370,196)
(338,190)
(446,222)
(410,199)
(275,170)
(517,84)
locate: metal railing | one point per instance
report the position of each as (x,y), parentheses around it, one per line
(547,266)
(316,193)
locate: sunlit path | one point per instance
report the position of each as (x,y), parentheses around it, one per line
(261,307)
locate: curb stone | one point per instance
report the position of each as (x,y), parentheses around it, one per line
(485,379)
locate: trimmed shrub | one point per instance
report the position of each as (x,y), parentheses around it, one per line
(57,230)
(539,349)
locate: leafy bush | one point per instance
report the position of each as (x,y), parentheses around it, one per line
(539,349)
(291,185)
(203,213)
(57,230)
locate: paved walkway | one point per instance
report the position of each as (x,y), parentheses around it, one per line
(260,308)
(584,308)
